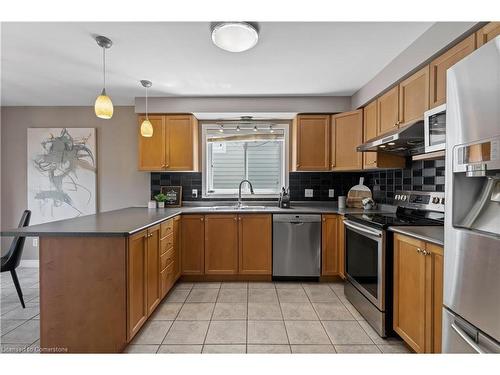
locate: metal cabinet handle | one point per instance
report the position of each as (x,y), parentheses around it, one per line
(201,219)
(419,250)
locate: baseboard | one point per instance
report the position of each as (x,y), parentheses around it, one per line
(30,263)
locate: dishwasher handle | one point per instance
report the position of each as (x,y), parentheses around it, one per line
(296,222)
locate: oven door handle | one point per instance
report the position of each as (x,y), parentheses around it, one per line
(362,229)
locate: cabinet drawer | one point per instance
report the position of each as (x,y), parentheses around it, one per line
(167,258)
(166,243)
(167,279)
(166,228)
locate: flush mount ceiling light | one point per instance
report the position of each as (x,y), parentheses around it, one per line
(235,36)
(103,106)
(146,126)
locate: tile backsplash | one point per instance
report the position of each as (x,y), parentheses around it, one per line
(421,175)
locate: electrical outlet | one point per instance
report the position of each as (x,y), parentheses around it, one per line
(308,193)
(331,193)
(35,242)
(194,193)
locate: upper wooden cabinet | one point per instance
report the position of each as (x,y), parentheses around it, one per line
(255,244)
(152,149)
(414,96)
(388,110)
(346,135)
(440,65)
(311,143)
(418,293)
(487,32)
(173,146)
(370,130)
(221,244)
(193,244)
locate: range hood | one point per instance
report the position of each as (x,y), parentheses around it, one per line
(406,140)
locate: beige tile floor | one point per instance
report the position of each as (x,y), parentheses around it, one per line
(228,317)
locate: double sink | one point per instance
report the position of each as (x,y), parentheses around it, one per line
(236,208)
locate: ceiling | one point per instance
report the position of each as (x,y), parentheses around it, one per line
(45,64)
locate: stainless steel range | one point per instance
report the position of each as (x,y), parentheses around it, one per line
(368,253)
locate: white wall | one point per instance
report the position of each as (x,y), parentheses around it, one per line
(119,183)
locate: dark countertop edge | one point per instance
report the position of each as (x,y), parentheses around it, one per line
(420,236)
(185,210)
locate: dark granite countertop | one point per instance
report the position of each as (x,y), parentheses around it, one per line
(434,234)
(130,220)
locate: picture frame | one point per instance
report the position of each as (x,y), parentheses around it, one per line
(174,195)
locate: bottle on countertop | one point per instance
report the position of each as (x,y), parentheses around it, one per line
(284,201)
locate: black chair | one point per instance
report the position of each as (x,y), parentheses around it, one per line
(10,261)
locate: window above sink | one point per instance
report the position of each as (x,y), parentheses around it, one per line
(234,151)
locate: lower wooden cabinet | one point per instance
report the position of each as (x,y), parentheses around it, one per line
(255,237)
(193,245)
(332,246)
(153,268)
(418,293)
(221,244)
(137,311)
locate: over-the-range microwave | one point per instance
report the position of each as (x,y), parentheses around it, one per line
(435,129)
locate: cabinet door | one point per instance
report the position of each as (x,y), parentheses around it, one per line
(348,130)
(329,245)
(487,32)
(152,149)
(370,130)
(341,246)
(410,291)
(255,244)
(221,244)
(414,96)
(436,271)
(440,65)
(153,268)
(181,143)
(312,143)
(137,285)
(388,110)
(177,247)
(193,245)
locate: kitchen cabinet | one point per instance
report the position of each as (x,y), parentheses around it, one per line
(332,245)
(177,247)
(221,244)
(173,146)
(487,33)
(153,268)
(346,135)
(329,245)
(255,244)
(418,293)
(373,160)
(136,279)
(414,96)
(388,110)
(311,143)
(152,149)
(442,63)
(193,245)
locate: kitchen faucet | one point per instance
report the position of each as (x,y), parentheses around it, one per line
(239,191)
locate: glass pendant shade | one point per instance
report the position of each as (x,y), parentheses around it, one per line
(146,128)
(103,106)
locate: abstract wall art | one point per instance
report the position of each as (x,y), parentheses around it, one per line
(62,167)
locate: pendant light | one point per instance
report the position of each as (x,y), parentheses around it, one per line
(146,126)
(103,105)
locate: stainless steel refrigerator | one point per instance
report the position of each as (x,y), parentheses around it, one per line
(471,315)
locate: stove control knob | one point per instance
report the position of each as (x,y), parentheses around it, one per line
(397,197)
(403,197)
(442,200)
(435,200)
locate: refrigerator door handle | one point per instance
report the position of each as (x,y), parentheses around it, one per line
(468,339)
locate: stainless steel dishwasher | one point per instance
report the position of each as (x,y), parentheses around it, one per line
(296,246)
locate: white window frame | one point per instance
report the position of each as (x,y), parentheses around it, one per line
(261,193)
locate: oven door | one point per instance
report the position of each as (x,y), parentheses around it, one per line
(365,261)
